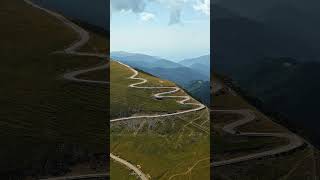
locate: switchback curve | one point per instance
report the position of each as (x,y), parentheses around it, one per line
(248,116)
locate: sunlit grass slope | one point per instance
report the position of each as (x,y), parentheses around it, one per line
(127,101)
(175,147)
(119,172)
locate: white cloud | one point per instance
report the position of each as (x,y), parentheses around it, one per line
(203,6)
(146,16)
(175,8)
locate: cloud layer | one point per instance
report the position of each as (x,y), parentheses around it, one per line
(145,16)
(175,7)
(138,7)
(203,6)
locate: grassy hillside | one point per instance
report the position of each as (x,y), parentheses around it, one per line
(175,72)
(273,59)
(294,164)
(119,172)
(99,39)
(178,144)
(277,80)
(44,118)
(126,102)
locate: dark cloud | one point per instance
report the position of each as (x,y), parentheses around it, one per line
(175,16)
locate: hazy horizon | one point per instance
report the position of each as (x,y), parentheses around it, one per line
(161,57)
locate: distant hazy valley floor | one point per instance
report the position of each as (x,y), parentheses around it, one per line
(173,147)
(300,162)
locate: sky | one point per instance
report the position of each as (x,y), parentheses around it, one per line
(171,29)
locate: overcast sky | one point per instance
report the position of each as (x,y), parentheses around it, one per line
(173,29)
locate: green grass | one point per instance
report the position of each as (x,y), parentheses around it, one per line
(164,147)
(39,110)
(127,101)
(293,165)
(221,119)
(96,44)
(98,75)
(119,172)
(226,147)
(271,168)
(229,101)
(166,141)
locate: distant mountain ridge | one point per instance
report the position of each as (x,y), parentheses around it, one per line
(270,48)
(205,60)
(144,61)
(166,69)
(240,41)
(200,64)
(296,18)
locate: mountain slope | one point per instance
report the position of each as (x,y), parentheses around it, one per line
(160,67)
(143,140)
(165,69)
(253,41)
(144,61)
(132,101)
(204,60)
(287,91)
(242,133)
(48,123)
(249,57)
(200,90)
(199,64)
(291,17)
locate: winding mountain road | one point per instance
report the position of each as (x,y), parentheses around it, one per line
(249,116)
(294,141)
(141,175)
(72,76)
(171,90)
(83,34)
(84,37)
